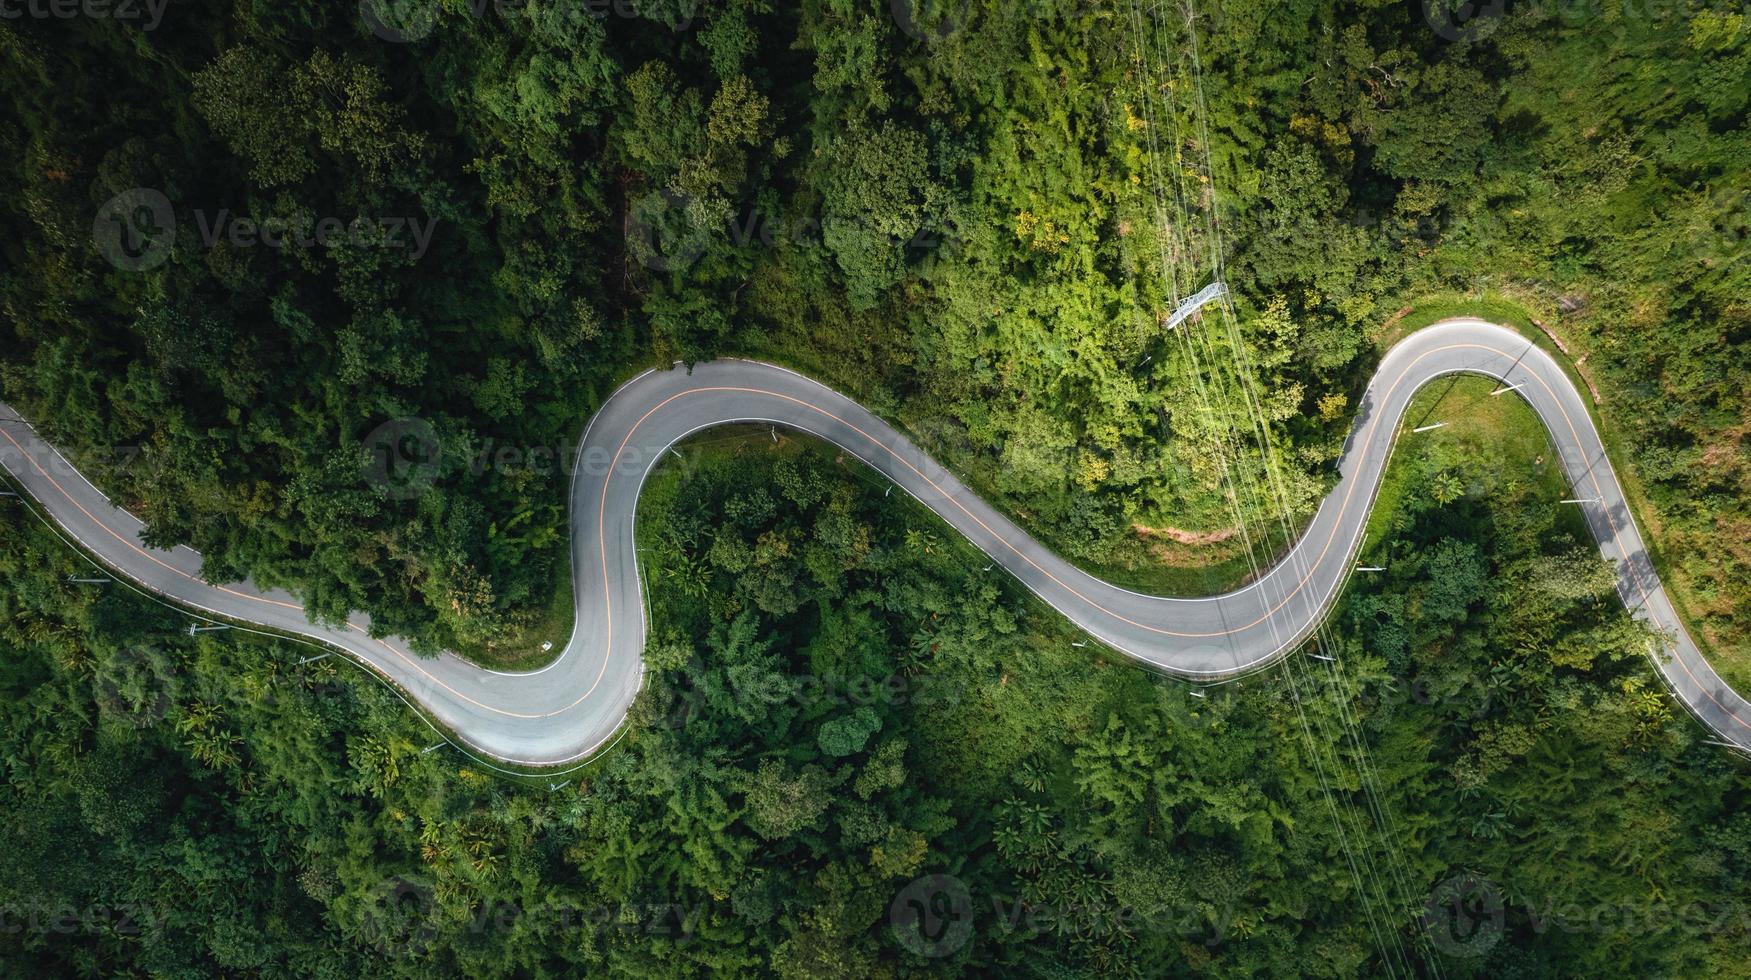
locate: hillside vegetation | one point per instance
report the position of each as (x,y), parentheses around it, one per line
(328,291)
(975,219)
(849,720)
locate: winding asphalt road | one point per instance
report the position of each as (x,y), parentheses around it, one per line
(564,712)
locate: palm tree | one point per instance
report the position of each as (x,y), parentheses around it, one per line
(1447,488)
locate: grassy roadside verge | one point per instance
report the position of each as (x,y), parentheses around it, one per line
(1186,569)
(551,623)
(1178,569)
(1501,433)
(1510,311)
(1203,569)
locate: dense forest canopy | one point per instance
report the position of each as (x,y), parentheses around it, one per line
(852,729)
(254,247)
(483,215)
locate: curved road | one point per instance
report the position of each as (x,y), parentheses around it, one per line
(569,709)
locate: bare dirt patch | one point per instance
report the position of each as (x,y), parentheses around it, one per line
(1185,537)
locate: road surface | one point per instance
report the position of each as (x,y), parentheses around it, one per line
(569,709)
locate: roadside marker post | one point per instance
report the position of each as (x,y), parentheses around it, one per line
(126,567)
(1507,388)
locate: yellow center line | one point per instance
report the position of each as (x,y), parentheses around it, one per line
(602,548)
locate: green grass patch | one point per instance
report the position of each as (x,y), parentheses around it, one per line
(1498,435)
(551,623)
(1734,665)
(1200,569)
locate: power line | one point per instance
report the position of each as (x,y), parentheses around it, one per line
(1242,383)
